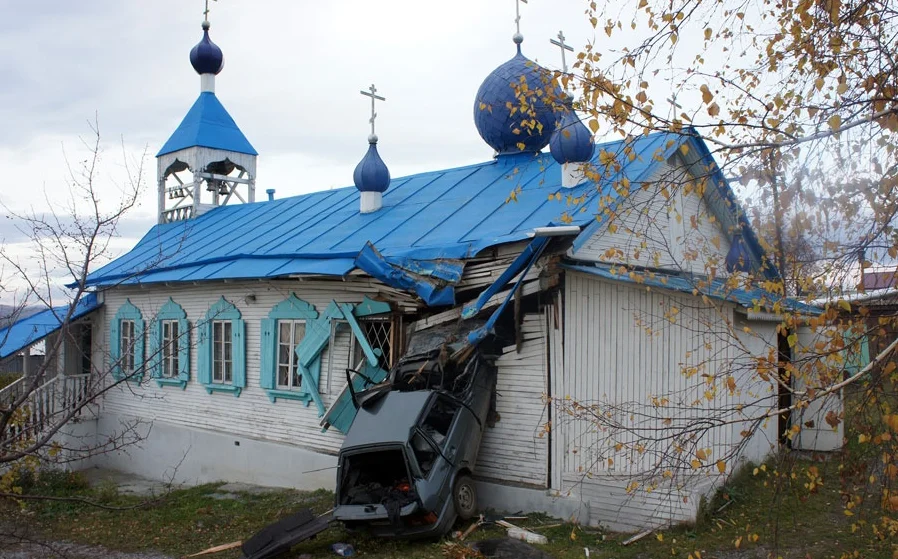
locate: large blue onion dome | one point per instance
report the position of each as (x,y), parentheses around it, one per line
(515,106)
(206,57)
(572,141)
(371,174)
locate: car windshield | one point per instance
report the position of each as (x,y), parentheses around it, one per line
(433,431)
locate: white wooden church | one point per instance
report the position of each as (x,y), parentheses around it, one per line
(609,268)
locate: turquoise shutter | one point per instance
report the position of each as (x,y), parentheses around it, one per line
(268,354)
(183,350)
(155,358)
(115,349)
(138,350)
(238,339)
(204,353)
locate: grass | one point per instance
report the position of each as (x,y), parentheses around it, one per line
(761,511)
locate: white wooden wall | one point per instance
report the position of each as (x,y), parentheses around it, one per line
(512,451)
(252,414)
(675,232)
(517,448)
(626,348)
(816,434)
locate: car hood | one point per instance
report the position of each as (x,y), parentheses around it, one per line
(388,420)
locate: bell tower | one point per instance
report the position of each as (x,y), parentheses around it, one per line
(207,162)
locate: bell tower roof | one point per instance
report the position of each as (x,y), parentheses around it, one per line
(208,124)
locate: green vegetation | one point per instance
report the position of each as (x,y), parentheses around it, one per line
(8,378)
(799,515)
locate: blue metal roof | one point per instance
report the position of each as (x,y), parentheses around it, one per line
(36,327)
(209,125)
(438,215)
(754,298)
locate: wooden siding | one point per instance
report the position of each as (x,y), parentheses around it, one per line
(252,414)
(516,449)
(676,231)
(816,434)
(625,348)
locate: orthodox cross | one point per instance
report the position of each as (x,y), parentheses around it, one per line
(517,10)
(560,43)
(372,93)
(206,11)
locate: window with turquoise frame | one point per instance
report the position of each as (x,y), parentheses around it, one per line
(280,373)
(221,349)
(126,343)
(170,346)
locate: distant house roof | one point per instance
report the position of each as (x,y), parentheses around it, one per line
(750,298)
(36,327)
(449,214)
(880,280)
(208,124)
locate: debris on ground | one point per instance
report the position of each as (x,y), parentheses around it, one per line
(216,549)
(637,537)
(508,548)
(279,537)
(343,549)
(519,533)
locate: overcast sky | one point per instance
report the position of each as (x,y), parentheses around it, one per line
(292,75)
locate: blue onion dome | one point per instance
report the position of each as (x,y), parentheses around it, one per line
(206,57)
(738,259)
(371,174)
(572,141)
(498,116)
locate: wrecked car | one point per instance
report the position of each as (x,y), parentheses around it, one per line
(405,467)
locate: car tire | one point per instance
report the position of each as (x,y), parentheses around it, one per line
(464,496)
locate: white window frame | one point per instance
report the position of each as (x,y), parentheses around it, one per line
(127,337)
(222,352)
(170,348)
(294,379)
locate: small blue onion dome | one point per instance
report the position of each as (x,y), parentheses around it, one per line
(572,141)
(738,258)
(206,57)
(371,174)
(497,108)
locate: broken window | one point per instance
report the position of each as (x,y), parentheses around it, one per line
(431,437)
(379,333)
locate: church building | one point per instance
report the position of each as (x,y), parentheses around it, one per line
(610,270)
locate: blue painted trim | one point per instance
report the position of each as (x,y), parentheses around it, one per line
(716,289)
(369,260)
(273,395)
(370,307)
(170,311)
(128,312)
(235,390)
(162,382)
(291,308)
(222,310)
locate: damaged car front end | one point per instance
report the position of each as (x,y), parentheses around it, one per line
(404,468)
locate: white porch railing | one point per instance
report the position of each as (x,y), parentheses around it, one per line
(47,405)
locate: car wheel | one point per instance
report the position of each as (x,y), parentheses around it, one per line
(465,497)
